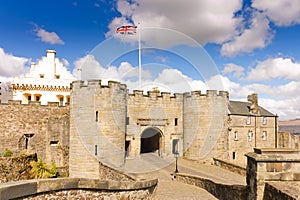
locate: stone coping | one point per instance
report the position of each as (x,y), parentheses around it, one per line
(274,157)
(19,189)
(208,179)
(218,189)
(276,151)
(291,189)
(230,166)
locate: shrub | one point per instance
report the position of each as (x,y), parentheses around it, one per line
(7,153)
(40,169)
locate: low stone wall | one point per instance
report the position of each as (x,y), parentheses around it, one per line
(230,166)
(75,188)
(108,173)
(282,190)
(220,191)
(15,168)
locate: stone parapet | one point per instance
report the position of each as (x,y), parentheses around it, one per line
(219,190)
(276,165)
(282,190)
(34,188)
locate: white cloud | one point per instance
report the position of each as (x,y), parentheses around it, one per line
(11,65)
(281,12)
(203,20)
(236,70)
(285,109)
(257,36)
(48,37)
(91,69)
(283,68)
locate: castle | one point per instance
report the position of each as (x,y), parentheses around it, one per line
(106,123)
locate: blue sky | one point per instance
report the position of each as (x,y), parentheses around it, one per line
(254,44)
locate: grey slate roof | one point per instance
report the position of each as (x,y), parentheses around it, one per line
(243,108)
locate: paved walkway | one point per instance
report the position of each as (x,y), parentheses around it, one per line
(150,166)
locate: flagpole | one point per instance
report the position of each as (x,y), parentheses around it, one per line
(140,58)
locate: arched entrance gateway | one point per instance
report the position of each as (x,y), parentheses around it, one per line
(151,140)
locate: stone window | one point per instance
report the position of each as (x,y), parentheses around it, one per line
(37,97)
(127,120)
(233,155)
(176,121)
(53,143)
(235,135)
(264,135)
(248,120)
(97,116)
(57,76)
(264,120)
(96,149)
(41,75)
(250,136)
(61,101)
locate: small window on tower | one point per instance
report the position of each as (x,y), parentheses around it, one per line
(176,121)
(57,76)
(235,136)
(233,155)
(97,116)
(41,75)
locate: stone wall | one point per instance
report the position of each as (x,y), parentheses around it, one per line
(15,168)
(35,128)
(271,165)
(75,188)
(230,166)
(288,140)
(242,144)
(205,124)
(219,190)
(92,194)
(282,190)
(97,130)
(154,110)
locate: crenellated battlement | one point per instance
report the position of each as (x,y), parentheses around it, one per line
(97,84)
(153,94)
(209,93)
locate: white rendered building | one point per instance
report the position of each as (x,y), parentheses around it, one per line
(47,81)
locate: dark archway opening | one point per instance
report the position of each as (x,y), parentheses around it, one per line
(150,140)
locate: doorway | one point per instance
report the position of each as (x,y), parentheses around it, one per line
(150,140)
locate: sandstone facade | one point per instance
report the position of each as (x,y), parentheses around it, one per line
(107,124)
(36,128)
(110,125)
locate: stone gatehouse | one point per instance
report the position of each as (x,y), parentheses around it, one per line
(109,124)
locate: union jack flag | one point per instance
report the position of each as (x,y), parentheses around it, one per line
(130,30)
